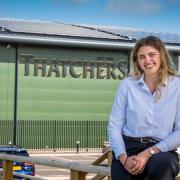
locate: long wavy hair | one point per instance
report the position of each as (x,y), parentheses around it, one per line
(165,69)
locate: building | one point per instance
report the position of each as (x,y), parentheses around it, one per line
(51,71)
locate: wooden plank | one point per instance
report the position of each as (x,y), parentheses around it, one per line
(100,159)
(98,177)
(59,163)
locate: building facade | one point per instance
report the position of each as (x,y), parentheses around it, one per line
(63,72)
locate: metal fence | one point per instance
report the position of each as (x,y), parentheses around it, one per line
(55,135)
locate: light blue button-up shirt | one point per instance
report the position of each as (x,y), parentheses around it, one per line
(137,113)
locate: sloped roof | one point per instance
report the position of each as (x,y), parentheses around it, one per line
(45,32)
(53,29)
(138,34)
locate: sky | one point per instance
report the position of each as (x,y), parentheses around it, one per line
(148,15)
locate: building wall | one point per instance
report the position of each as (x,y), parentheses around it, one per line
(7,71)
(61,83)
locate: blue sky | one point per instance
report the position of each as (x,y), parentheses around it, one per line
(153,15)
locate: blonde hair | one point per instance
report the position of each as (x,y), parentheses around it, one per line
(166,68)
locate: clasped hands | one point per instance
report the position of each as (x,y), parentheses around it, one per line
(136,164)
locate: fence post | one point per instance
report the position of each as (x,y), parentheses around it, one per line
(7,169)
(87,143)
(109,158)
(77,175)
(54,136)
(77,146)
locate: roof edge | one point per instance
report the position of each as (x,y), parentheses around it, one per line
(66,42)
(75,43)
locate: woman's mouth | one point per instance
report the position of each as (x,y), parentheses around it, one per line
(149,66)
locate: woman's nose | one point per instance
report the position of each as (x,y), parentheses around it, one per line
(147,58)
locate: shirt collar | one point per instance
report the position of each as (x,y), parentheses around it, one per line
(165,82)
(141,81)
(168,80)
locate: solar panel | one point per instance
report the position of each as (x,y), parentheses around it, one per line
(82,31)
(52,28)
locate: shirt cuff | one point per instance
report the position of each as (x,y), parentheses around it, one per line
(118,153)
(162,146)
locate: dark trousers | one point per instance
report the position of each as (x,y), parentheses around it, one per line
(161,166)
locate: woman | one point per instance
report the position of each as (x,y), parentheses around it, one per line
(144,124)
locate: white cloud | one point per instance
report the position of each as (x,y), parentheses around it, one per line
(134,7)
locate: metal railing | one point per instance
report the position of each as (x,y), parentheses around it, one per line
(55,135)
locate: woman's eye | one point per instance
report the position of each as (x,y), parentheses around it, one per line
(141,57)
(151,55)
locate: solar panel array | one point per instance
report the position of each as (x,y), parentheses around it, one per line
(52,28)
(81,31)
(138,34)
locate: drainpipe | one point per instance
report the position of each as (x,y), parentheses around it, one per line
(15,95)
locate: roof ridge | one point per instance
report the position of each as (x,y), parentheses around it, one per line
(104,31)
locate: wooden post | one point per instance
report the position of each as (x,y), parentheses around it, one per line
(77,175)
(109,156)
(7,170)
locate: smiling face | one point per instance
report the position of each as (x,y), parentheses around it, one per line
(149,60)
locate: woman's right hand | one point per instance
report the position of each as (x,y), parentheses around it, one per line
(132,165)
(129,163)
